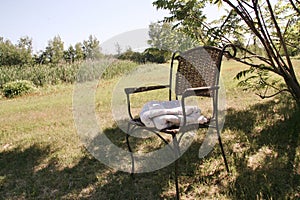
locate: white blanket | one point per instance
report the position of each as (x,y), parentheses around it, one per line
(164,114)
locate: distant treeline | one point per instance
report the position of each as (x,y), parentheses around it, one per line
(163,40)
(22,54)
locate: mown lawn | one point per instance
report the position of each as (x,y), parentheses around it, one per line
(42,157)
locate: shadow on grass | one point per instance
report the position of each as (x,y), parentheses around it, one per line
(268,168)
(26,175)
(34,173)
(148,186)
(265,167)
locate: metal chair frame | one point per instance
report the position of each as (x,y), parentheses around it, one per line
(190,80)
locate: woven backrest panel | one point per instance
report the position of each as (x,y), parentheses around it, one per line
(198,67)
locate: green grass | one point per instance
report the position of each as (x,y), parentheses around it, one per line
(41,156)
(50,74)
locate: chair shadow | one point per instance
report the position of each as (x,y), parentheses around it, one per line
(24,174)
(31,173)
(148,186)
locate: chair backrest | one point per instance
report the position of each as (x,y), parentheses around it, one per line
(198,67)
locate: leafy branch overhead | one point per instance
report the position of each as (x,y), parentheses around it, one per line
(265,32)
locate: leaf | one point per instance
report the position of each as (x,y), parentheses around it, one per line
(243,73)
(219,3)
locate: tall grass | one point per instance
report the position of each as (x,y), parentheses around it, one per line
(42,75)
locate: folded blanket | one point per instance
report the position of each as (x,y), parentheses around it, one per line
(164,114)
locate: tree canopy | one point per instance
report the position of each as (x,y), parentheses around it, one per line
(265,32)
(18,54)
(164,37)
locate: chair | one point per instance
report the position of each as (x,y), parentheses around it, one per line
(197,75)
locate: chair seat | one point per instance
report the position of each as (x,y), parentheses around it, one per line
(173,129)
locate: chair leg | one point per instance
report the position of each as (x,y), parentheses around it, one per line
(176,153)
(130,150)
(176,180)
(223,152)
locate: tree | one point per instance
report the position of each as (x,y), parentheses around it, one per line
(118,49)
(257,22)
(164,37)
(18,54)
(91,48)
(54,52)
(69,55)
(79,54)
(7,53)
(24,47)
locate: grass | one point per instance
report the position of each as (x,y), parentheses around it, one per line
(42,157)
(50,74)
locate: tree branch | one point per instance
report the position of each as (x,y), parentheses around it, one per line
(247,4)
(273,95)
(277,56)
(266,40)
(266,60)
(294,6)
(255,65)
(272,86)
(282,41)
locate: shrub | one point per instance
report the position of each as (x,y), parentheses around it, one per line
(156,55)
(132,56)
(118,68)
(153,55)
(16,88)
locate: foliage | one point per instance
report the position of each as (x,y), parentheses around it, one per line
(17,88)
(79,54)
(131,55)
(40,75)
(118,68)
(164,37)
(69,55)
(49,74)
(18,54)
(260,82)
(54,53)
(91,48)
(156,55)
(149,55)
(271,27)
(55,50)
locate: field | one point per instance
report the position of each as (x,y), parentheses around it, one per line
(42,156)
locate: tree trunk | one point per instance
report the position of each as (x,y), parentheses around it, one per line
(294,87)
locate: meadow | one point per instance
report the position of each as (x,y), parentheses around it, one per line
(42,156)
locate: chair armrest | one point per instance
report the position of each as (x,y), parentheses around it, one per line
(144,89)
(129,91)
(198,90)
(194,92)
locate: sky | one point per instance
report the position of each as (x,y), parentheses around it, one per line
(74,20)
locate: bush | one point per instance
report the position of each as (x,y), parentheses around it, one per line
(17,88)
(132,56)
(153,55)
(156,55)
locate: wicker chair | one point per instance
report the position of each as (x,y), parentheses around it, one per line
(197,75)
